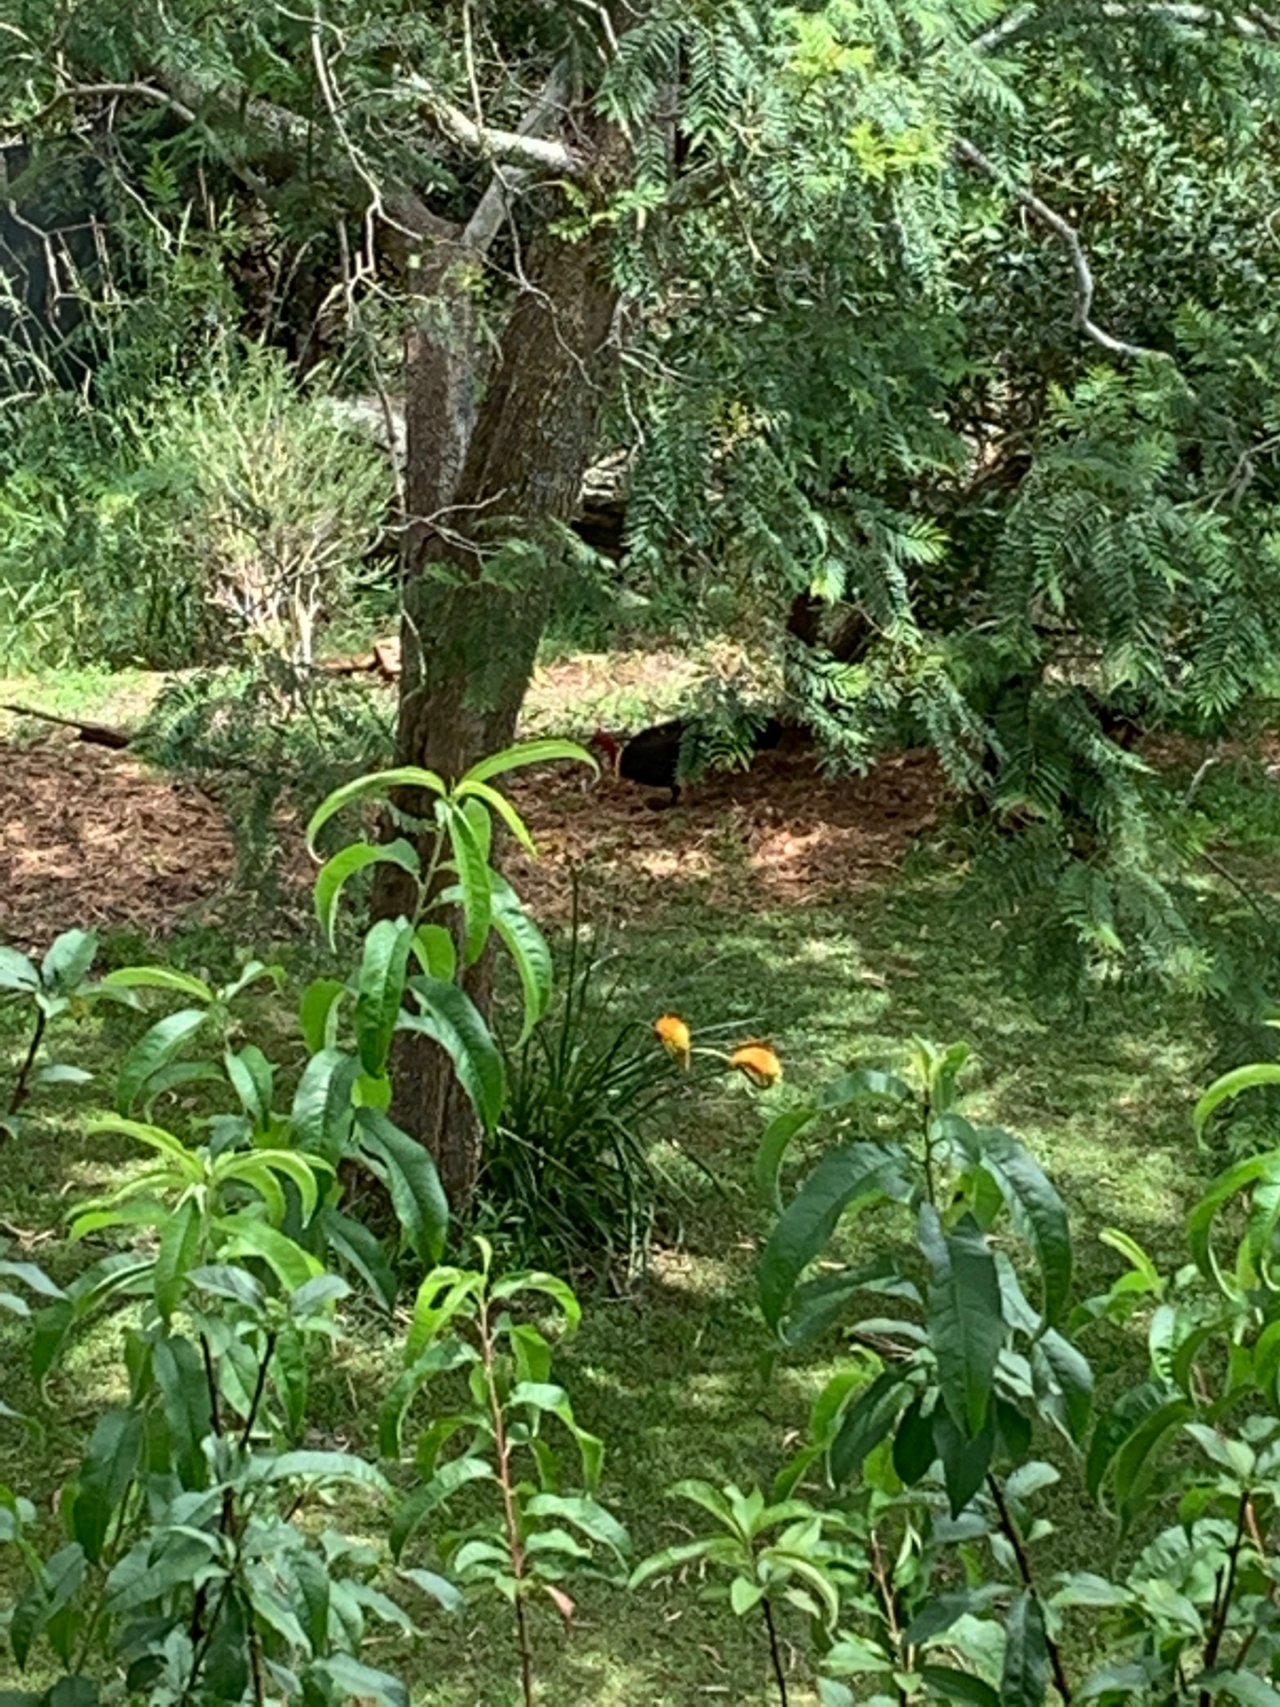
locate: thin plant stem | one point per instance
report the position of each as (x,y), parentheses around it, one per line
(775,1650)
(515,1545)
(20,1089)
(1010,1528)
(1223,1592)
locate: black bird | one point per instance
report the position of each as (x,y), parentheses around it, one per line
(652,757)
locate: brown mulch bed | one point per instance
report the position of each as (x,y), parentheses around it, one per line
(778,834)
(90,837)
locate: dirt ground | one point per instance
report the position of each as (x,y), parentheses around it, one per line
(91,837)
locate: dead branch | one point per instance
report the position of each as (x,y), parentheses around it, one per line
(97,734)
(971,155)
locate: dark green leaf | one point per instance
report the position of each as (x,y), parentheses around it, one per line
(855,1173)
(966,1324)
(322,1112)
(105,1478)
(416,1193)
(450,1018)
(356,856)
(913,1446)
(177,1255)
(866,1423)
(184,1396)
(380,990)
(67,961)
(155,1049)
(353,1242)
(1038,1212)
(965,1461)
(1026,1655)
(961,1687)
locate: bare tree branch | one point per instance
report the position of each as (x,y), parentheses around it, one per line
(1067,234)
(494,206)
(1250,21)
(535,152)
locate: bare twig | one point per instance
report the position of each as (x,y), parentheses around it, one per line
(971,155)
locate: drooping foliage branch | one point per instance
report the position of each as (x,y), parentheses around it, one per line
(955,319)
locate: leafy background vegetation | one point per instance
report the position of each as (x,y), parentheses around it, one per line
(903,373)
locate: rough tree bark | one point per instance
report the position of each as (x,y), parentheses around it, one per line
(469,643)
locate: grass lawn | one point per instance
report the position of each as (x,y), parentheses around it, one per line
(671,1376)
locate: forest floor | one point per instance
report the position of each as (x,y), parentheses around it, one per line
(807,910)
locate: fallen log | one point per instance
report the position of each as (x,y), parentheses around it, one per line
(98,734)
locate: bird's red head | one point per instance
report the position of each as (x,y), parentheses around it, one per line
(609,750)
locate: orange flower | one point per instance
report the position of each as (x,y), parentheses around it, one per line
(759,1062)
(674,1036)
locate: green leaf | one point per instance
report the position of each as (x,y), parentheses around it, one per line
(291,1265)
(857,1172)
(322,1112)
(965,1460)
(410,1175)
(501,805)
(944,1610)
(913,1446)
(424,1500)
(380,991)
(105,1478)
(353,1242)
(441,1590)
(586,1515)
(17,972)
(376,783)
(475,881)
(184,1396)
(1199,1223)
(767,1169)
(353,1680)
(177,1255)
(526,753)
(59,1073)
(744,1596)
(966,1326)
(159,978)
(1127,1419)
(154,1138)
(1069,1369)
(450,1018)
(317,1011)
(535,1280)
(433,949)
(254,1083)
(29,1275)
(356,856)
(1246,1687)
(1231,1085)
(1038,1212)
(319,1468)
(156,1048)
(962,1687)
(527,946)
(1026,1654)
(866,1423)
(68,960)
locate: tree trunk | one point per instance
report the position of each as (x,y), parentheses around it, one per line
(470,639)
